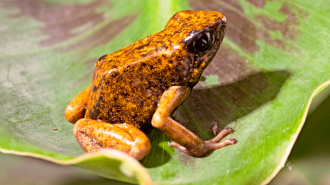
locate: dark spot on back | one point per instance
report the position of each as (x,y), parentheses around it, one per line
(94,88)
(102,57)
(142,46)
(95,113)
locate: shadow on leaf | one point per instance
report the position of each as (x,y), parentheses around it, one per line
(220,105)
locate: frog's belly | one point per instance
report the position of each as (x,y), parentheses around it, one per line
(124,104)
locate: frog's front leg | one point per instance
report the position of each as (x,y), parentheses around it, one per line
(77,107)
(183,139)
(93,135)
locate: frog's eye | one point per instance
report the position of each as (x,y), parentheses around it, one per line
(202,42)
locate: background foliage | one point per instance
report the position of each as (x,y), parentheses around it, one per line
(260,83)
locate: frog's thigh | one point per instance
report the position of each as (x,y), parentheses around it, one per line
(76,108)
(93,135)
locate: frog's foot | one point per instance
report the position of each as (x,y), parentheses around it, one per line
(93,135)
(208,146)
(77,107)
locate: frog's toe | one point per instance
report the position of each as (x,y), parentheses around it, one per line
(214,143)
(214,128)
(179,147)
(222,134)
(213,146)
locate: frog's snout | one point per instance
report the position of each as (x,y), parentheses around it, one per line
(224,19)
(223,26)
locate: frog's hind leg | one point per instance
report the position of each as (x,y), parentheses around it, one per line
(93,135)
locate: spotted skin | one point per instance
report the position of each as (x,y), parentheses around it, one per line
(128,85)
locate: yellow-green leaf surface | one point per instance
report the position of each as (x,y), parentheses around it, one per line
(274,58)
(309,160)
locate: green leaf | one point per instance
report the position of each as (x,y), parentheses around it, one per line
(309,160)
(272,62)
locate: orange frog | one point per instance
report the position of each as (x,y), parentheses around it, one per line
(138,88)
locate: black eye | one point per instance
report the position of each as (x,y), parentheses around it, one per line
(202,42)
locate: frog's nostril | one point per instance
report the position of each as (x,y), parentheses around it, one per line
(224,19)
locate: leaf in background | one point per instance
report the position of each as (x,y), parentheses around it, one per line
(261,82)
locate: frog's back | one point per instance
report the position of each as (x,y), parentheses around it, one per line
(128,84)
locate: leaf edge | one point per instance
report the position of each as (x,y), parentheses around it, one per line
(295,136)
(141,174)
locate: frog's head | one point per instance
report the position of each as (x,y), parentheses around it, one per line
(199,35)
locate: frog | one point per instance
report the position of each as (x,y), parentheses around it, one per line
(137,89)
